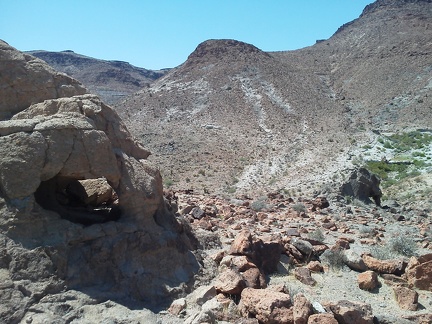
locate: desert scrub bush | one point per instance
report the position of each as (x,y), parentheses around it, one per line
(299,208)
(317,235)
(168,183)
(258,205)
(395,247)
(335,259)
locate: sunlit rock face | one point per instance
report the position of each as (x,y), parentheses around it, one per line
(80,206)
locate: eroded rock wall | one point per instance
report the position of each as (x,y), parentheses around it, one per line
(126,246)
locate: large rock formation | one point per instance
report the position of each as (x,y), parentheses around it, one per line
(80,207)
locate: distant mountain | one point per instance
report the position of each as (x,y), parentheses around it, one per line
(111,80)
(233,118)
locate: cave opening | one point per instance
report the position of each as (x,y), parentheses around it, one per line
(82,201)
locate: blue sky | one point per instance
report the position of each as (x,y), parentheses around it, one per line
(161,33)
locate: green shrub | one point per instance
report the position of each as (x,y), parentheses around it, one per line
(317,235)
(394,248)
(258,205)
(299,208)
(334,259)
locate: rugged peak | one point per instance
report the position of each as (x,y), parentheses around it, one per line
(221,49)
(391,3)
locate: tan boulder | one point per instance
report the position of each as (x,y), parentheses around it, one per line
(368,280)
(91,191)
(229,282)
(384,266)
(324,318)
(419,272)
(406,298)
(302,309)
(315,266)
(347,312)
(303,275)
(265,305)
(242,244)
(254,278)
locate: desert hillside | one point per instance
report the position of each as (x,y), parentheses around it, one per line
(112,81)
(234,119)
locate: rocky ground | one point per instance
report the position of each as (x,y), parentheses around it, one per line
(278,260)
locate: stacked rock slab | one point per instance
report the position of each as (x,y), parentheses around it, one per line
(125,246)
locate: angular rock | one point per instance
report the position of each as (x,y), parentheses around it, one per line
(303,275)
(230,282)
(362,185)
(177,306)
(242,244)
(384,266)
(419,272)
(324,318)
(354,261)
(303,246)
(266,306)
(368,280)
(202,294)
(254,278)
(315,266)
(302,309)
(347,312)
(239,262)
(406,298)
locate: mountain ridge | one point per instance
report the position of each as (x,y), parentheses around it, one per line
(112,80)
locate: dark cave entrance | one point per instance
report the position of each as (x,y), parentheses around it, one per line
(82,201)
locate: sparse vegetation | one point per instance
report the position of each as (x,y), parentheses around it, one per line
(334,259)
(395,247)
(258,205)
(299,208)
(317,235)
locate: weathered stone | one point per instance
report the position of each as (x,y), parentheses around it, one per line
(354,261)
(239,262)
(384,266)
(347,312)
(363,185)
(419,272)
(202,294)
(406,298)
(303,275)
(367,280)
(266,306)
(304,247)
(242,244)
(302,309)
(230,282)
(254,278)
(315,266)
(177,306)
(324,318)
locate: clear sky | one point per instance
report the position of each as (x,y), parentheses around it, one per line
(156,34)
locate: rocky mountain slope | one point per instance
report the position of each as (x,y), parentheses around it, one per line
(234,119)
(112,81)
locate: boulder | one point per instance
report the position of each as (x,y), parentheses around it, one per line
(419,272)
(229,282)
(302,309)
(266,306)
(354,261)
(384,266)
(406,298)
(254,278)
(81,207)
(368,280)
(362,185)
(324,318)
(303,275)
(347,312)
